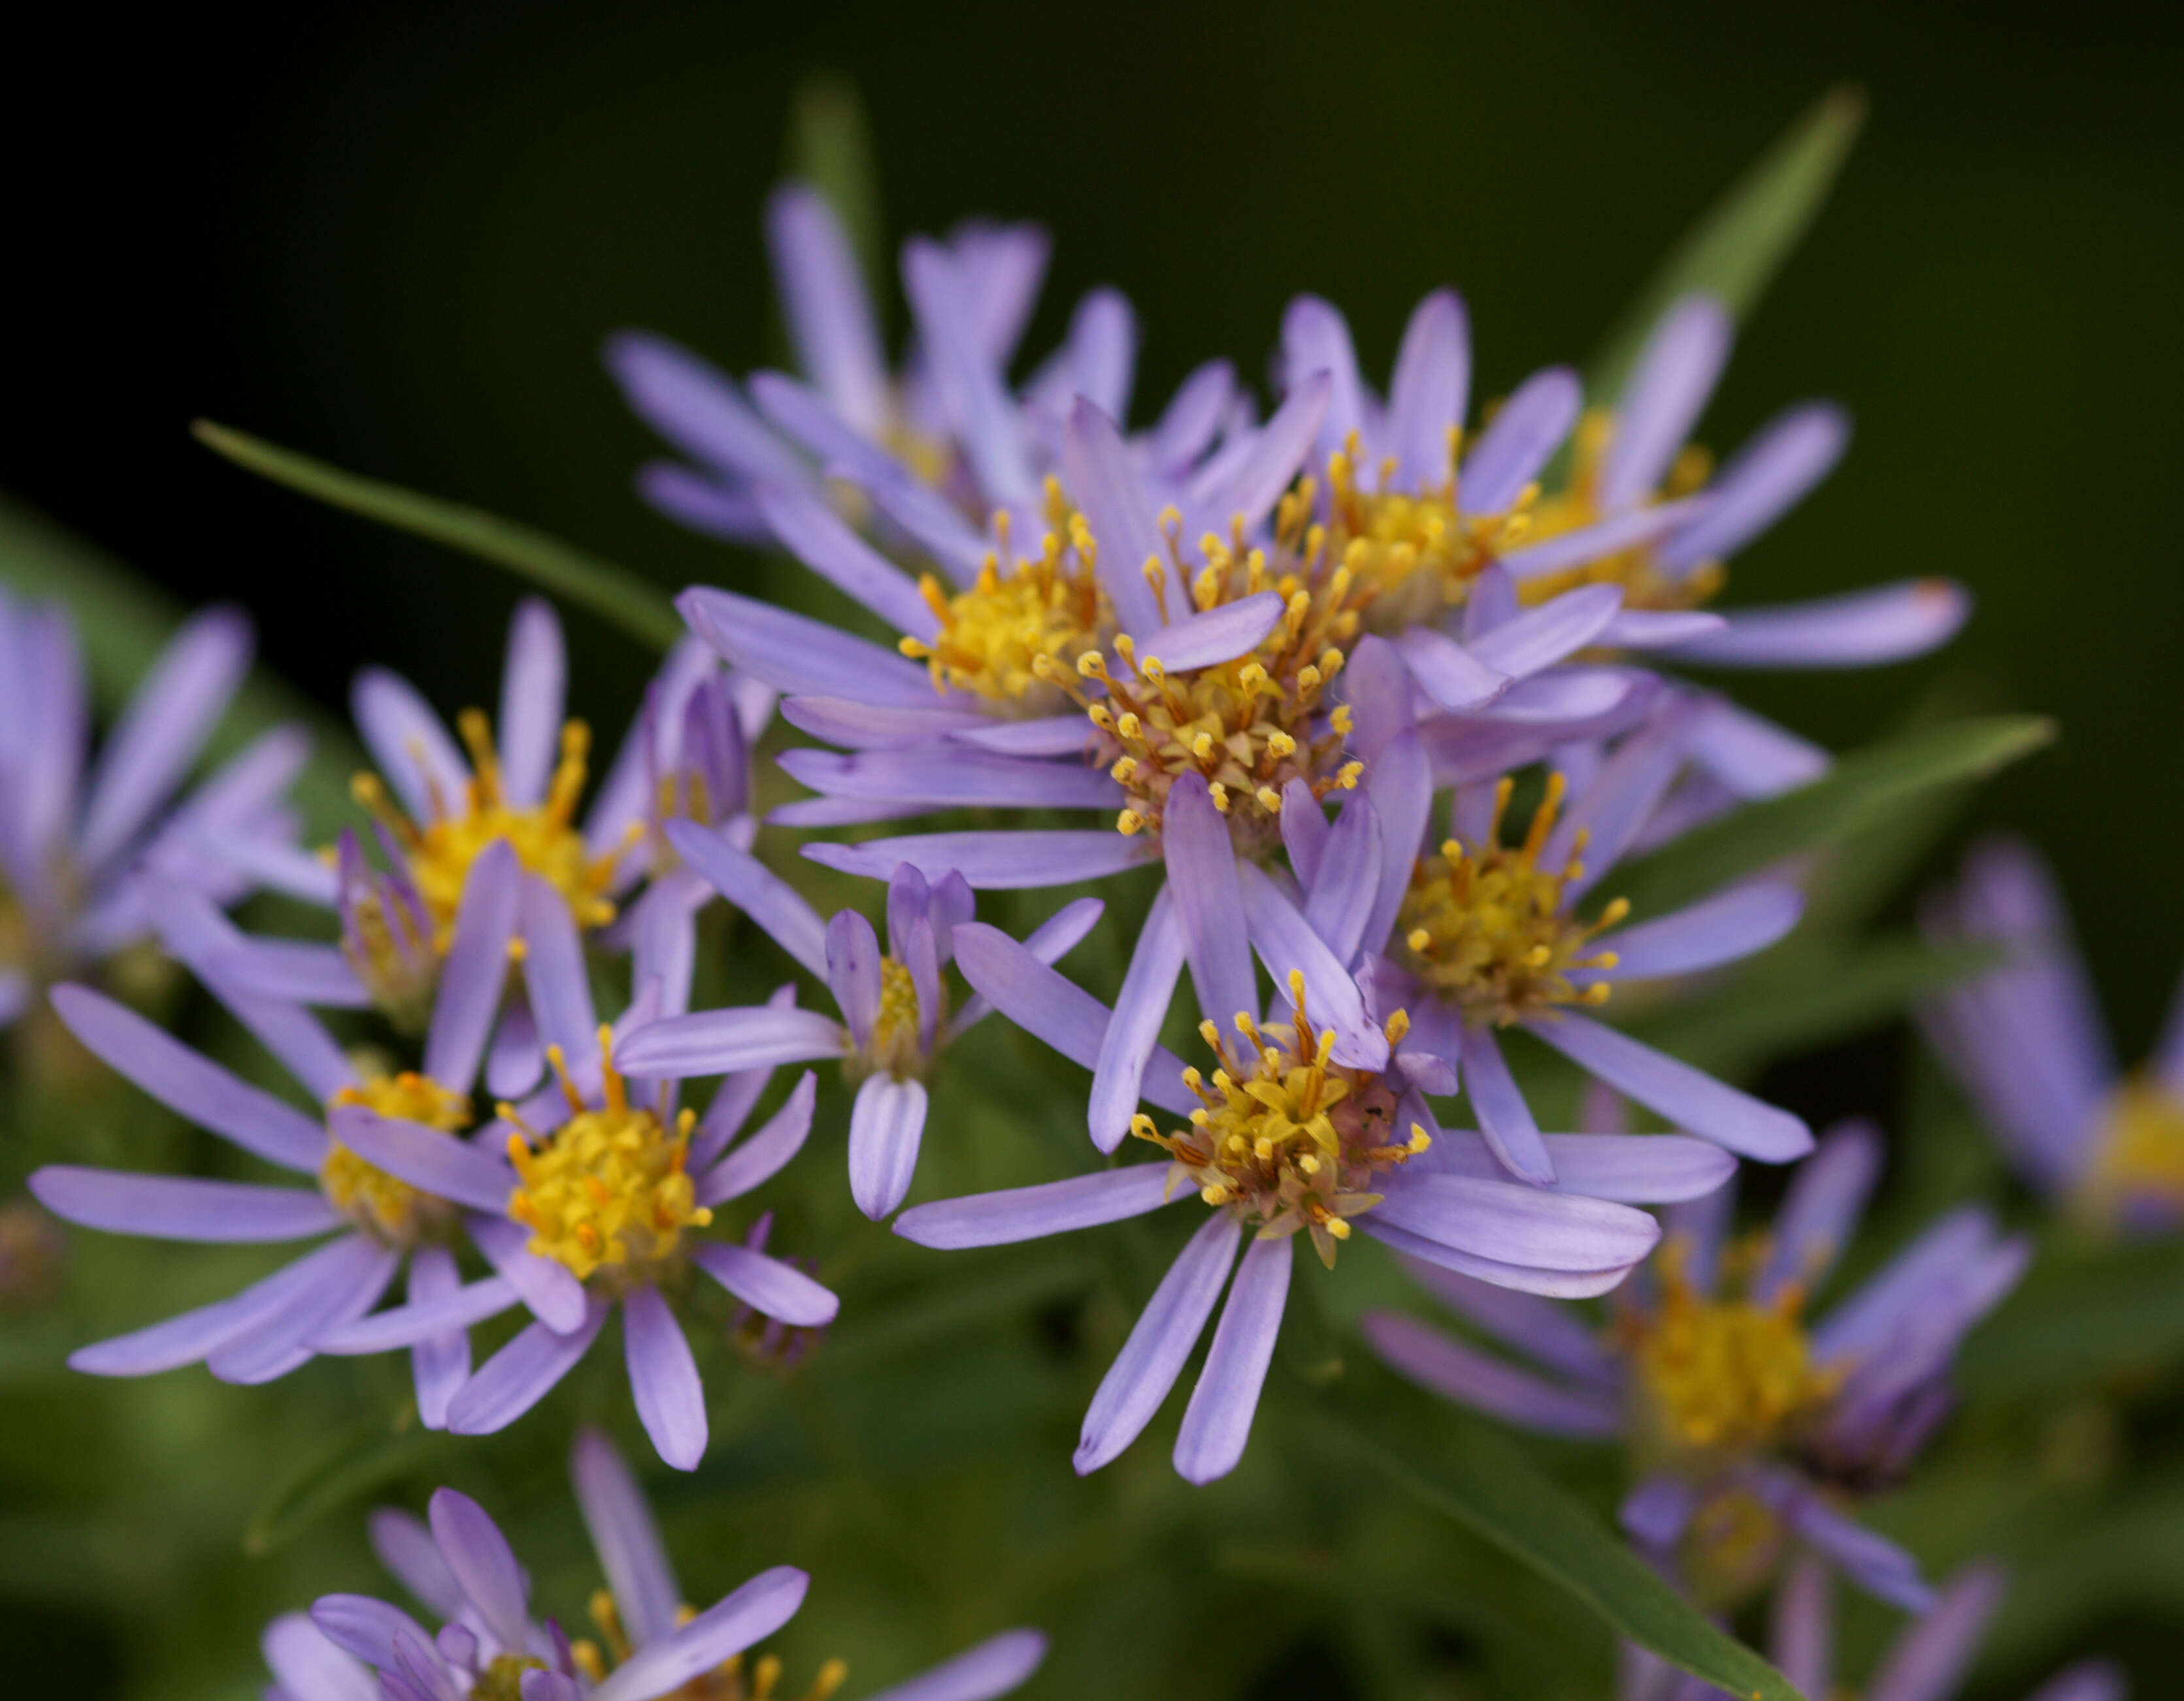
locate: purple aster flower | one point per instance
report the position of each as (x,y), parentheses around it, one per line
(893,1007)
(378,1221)
(1752,1424)
(79,840)
(1926,1662)
(1299,1130)
(613,1186)
(2027,1042)
(649,1646)
(687,756)
(1636,456)
(1482,936)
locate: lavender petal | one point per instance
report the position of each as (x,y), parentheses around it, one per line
(1218,1422)
(1032,1213)
(1159,1343)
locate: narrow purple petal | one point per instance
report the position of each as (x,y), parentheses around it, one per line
(663,1377)
(1819,1213)
(969,382)
(823,297)
(1875,1564)
(1131,1063)
(1715,930)
(309,1667)
(1427,393)
(1861,629)
(1801,1626)
(1051,735)
(1194,414)
(483,1563)
(1304,831)
(1159,1343)
(1214,634)
(348,1285)
(1555,630)
(639,1572)
(1640,528)
(1931,1658)
(1032,1213)
(193,1335)
(1513,1223)
(799,655)
(722,1042)
(439,1364)
(1529,427)
(2089,1680)
(1401,784)
(812,532)
(533,690)
(162,730)
(1251,488)
(409,743)
(948,773)
(192,1086)
(994,1668)
(762,1156)
(1656,1511)
(696,408)
(1052,940)
(853,973)
(876,726)
(1100,480)
(994,862)
(293,969)
(1347,879)
(1202,883)
(885,1124)
(1689,1099)
(1448,673)
(1676,374)
(1287,946)
(1769,476)
(403,1544)
(1504,1118)
(1459,1372)
(767,1285)
(1552,1336)
(428,1157)
(475,969)
(1316,341)
(522,1374)
(756,890)
(365,1627)
(1218,1422)
(1621,798)
(548,1289)
(424,1316)
(727,1627)
(176,1208)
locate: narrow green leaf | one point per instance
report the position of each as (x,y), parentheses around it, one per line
(1732,254)
(611,592)
(1857,792)
(1475,1475)
(124,622)
(359,1460)
(830,147)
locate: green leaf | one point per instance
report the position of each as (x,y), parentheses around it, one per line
(1472,1475)
(1732,254)
(830,147)
(1859,791)
(124,622)
(611,592)
(356,1462)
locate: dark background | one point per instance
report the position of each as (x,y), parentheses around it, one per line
(394,235)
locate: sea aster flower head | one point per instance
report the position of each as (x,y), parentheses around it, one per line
(894,1020)
(1750,1423)
(79,840)
(2027,1041)
(1299,1130)
(383,1215)
(650,1645)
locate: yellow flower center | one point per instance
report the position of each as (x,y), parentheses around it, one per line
(1486,927)
(503,1679)
(1285,1136)
(389,1207)
(1722,1375)
(1577,504)
(894,1047)
(1411,554)
(1000,639)
(607,1188)
(729,1681)
(2139,1163)
(543,836)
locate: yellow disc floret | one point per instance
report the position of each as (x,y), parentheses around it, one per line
(607,1189)
(543,836)
(1646,584)
(2137,1169)
(1001,639)
(1485,928)
(1285,1136)
(386,1205)
(1722,1374)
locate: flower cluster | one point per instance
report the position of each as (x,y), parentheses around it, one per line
(1361,710)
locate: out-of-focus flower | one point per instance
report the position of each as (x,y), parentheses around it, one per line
(2027,1041)
(1926,1662)
(319,1303)
(894,1020)
(650,1646)
(80,838)
(1750,1425)
(612,1187)
(1290,1135)
(33,1257)
(1637,455)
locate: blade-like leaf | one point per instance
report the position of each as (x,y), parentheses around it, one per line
(611,592)
(124,622)
(1472,1475)
(830,147)
(1856,793)
(1733,252)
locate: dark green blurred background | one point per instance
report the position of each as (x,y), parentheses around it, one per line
(394,236)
